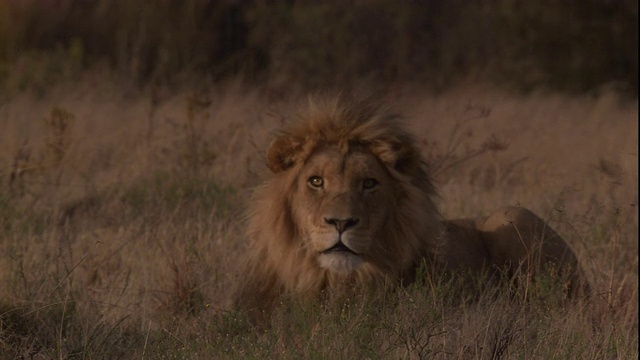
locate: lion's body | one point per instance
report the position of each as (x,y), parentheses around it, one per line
(512,241)
(351,204)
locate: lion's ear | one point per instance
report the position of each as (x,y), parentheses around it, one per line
(400,155)
(282,152)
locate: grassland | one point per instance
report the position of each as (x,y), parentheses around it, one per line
(121,226)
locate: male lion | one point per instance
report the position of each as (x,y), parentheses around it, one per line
(351,204)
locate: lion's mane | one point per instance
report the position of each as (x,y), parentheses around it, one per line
(278,262)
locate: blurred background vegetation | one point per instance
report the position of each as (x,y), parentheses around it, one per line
(568,45)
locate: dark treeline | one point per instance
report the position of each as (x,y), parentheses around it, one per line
(569,45)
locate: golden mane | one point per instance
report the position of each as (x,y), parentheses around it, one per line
(278,261)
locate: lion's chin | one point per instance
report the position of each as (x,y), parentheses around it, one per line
(341,262)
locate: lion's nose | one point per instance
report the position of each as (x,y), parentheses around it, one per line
(342,224)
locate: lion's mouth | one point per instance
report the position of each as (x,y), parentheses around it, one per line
(340,258)
(340,247)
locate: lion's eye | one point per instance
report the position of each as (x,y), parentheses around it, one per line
(369,183)
(316,181)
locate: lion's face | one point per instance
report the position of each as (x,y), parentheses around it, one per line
(341,202)
(348,203)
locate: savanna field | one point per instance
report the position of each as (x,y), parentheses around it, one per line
(128,153)
(122,226)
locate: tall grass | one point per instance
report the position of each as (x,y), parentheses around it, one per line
(121,228)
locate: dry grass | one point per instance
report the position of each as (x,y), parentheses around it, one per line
(121,227)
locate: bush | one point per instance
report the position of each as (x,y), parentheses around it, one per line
(565,45)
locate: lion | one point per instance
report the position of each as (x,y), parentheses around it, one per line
(350,203)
